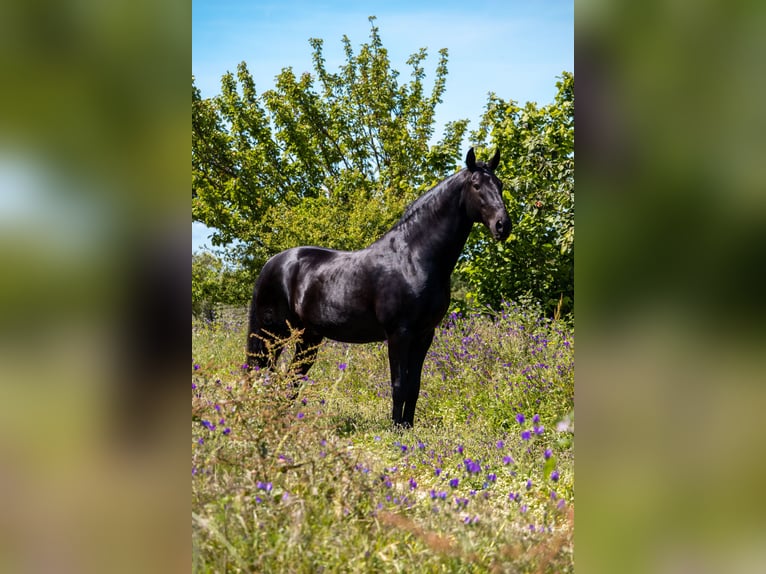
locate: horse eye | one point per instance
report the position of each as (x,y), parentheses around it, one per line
(476,186)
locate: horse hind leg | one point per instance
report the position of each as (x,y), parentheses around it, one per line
(305,354)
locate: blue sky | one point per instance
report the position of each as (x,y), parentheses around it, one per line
(513,48)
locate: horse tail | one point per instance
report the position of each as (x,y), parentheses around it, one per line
(268,313)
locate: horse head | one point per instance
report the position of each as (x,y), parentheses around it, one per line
(483,196)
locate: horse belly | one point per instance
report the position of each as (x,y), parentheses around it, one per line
(339,307)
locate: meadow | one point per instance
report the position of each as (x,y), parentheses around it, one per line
(484,482)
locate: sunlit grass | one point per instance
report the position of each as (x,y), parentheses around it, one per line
(484,481)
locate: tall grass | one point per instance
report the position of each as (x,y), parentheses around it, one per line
(483,483)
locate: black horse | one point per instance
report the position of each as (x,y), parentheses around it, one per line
(397,289)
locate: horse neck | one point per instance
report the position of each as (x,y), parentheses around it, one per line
(436,230)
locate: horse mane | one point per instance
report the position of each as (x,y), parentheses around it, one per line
(427,198)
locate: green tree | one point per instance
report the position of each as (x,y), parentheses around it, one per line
(329,158)
(216,283)
(537,167)
(206,273)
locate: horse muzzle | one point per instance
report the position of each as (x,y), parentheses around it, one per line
(501,228)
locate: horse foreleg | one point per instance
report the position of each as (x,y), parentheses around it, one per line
(398,349)
(418,350)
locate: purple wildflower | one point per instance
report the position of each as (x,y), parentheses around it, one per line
(454,482)
(507,460)
(520,418)
(472,466)
(342,366)
(413,484)
(492,477)
(526,435)
(226,431)
(196,366)
(529,483)
(555,476)
(536,419)
(538,429)
(500,444)
(547,454)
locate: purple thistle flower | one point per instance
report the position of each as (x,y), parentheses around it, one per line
(520,418)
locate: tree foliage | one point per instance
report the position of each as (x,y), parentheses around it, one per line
(215,283)
(329,158)
(537,168)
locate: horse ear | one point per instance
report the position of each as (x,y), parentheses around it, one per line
(495,161)
(470,160)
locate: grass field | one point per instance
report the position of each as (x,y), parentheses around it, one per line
(483,483)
